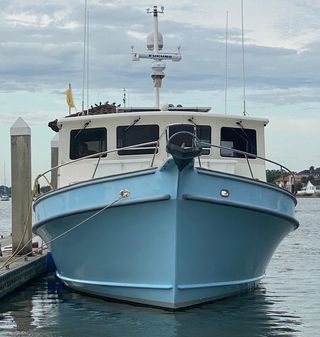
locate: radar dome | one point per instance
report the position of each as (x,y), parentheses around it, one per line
(150,41)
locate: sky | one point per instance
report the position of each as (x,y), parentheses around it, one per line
(41,52)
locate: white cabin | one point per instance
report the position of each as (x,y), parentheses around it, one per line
(85,135)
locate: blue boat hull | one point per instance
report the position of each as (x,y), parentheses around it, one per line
(174,242)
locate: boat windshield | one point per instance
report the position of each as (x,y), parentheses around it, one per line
(84,142)
(202,132)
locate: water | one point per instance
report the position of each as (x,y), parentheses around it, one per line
(5,218)
(286,304)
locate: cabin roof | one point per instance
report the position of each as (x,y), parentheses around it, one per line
(165,113)
(114,112)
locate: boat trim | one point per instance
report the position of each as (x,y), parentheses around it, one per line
(161,286)
(228,203)
(100,207)
(219,284)
(116,284)
(209,172)
(96,181)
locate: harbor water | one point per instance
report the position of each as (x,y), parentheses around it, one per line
(287,303)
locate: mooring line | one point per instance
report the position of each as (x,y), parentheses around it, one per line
(123,194)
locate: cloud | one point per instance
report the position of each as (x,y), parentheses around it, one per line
(42,50)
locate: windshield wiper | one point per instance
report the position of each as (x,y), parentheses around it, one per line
(132,124)
(84,127)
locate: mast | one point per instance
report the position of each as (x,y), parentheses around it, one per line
(243,64)
(155,44)
(84,54)
(226,84)
(157,67)
(4,173)
(5,182)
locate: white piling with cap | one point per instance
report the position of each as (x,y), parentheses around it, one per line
(54,160)
(21,190)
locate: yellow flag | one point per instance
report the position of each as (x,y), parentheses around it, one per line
(69,97)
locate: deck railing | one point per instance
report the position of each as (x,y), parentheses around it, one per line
(155,144)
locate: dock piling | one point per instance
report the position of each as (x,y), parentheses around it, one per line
(54,160)
(21,186)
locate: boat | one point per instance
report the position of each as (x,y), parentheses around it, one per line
(4,196)
(172,200)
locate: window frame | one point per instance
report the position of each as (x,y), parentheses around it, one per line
(251,147)
(139,151)
(85,138)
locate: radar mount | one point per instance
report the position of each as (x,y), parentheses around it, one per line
(154,45)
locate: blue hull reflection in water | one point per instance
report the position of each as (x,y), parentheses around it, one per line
(48,309)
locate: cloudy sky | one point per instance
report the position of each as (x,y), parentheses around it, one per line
(41,51)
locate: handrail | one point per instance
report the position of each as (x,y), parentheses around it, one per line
(254,156)
(247,155)
(98,154)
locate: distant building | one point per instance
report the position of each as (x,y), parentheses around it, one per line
(312,172)
(285,182)
(310,180)
(310,188)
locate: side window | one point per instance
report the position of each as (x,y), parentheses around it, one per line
(239,139)
(203,132)
(129,135)
(84,142)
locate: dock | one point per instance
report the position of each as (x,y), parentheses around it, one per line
(21,269)
(26,264)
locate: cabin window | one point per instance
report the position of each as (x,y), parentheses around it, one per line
(203,132)
(129,135)
(239,139)
(84,142)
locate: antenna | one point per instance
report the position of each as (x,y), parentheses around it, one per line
(84,53)
(124,100)
(87,62)
(226,87)
(243,68)
(154,44)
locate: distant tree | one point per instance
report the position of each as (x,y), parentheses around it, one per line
(298,186)
(272,175)
(5,190)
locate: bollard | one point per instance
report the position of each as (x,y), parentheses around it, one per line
(54,160)
(21,190)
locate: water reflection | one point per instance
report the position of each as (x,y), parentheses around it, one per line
(54,310)
(5,218)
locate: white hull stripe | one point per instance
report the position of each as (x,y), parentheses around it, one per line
(160,286)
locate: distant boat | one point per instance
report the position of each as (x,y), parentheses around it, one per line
(166,206)
(5,196)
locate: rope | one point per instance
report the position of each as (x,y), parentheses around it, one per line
(123,194)
(18,249)
(85,220)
